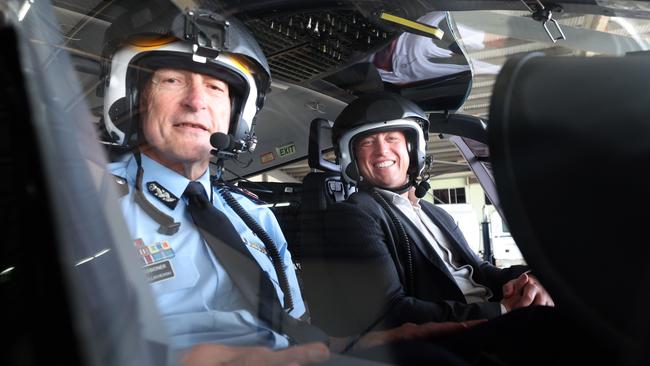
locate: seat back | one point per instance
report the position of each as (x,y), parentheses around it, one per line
(324,185)
(322,188)
(569,137)
(284,200)
(301,207)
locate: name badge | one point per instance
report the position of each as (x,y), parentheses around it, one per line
(159,271)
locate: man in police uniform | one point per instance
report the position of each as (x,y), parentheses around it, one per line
(164,98)
(181,97)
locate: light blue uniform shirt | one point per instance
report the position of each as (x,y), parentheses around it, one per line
(200,303)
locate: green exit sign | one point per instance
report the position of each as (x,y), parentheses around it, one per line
(286,150)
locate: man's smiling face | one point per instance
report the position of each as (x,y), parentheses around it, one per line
(383,159)
(181,109)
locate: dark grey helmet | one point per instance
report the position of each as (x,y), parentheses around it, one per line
(377,113)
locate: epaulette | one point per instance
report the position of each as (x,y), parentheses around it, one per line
(121,185)
(244,192)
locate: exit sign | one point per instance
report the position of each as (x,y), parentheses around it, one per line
(286,150)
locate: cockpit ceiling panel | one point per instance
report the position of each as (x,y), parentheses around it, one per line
(302,46)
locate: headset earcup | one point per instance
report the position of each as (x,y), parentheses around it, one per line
(352,171)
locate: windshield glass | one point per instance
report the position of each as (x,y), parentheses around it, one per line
(505,34)
(142,275)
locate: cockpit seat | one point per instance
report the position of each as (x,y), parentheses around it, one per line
(284,200)
(568,156)
(322,188)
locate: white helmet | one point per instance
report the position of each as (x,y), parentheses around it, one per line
(377,113)
(148,38)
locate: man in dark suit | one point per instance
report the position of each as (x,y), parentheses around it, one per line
(387,258)
(391,258)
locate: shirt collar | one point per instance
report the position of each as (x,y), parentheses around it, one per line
(398,199)
(171,180)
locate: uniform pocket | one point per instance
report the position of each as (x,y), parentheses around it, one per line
(185,276)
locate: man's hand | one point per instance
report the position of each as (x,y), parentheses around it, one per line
(410,331)
(525,290)
(219,355)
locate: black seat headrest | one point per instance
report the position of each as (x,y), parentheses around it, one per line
(569,140)
(317,146)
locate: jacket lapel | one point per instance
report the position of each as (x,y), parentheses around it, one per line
(454,236)
(421,243)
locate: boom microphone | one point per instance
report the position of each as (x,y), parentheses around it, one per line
(421,189)
(223,142)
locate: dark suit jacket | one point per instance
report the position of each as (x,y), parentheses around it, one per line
(354,278)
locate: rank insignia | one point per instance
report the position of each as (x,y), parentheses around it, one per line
(153,253)
(163,195)
(255,246)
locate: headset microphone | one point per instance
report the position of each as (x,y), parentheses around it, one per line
(421,189)
(227,143)
(225,146)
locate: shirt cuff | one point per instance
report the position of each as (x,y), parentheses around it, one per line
(503,309)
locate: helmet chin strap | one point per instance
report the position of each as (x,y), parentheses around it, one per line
(420,188)
(398,190)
